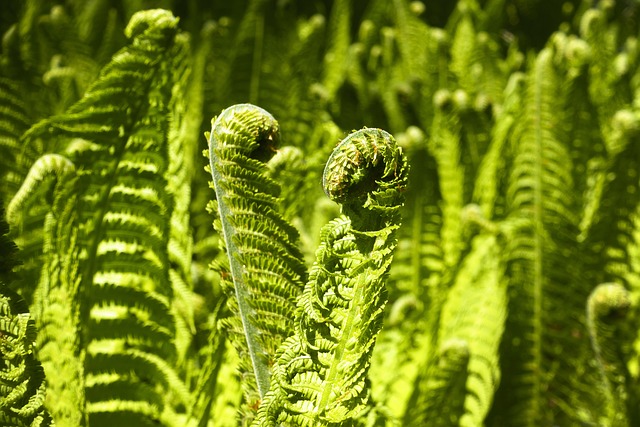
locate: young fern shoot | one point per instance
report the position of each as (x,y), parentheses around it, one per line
(264,263)
(320,377)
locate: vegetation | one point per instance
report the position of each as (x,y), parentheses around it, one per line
(479,267)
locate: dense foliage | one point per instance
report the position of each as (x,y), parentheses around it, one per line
(479,267)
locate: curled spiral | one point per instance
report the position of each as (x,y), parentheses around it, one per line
(367,161)
(246,129)
(367,174)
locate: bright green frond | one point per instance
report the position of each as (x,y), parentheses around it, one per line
(106,282)
(607,309)
(320,376)
(541,350)
(265,265)
(22,382)
(441,391)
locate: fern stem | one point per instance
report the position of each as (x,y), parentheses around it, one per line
(241,292)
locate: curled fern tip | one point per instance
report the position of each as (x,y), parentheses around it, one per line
(367,160)
(262,130)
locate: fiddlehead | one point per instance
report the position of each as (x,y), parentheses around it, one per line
(320,376)
(608,313)
(264,263)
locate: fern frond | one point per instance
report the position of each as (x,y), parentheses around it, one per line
(463,45)
(476,61)
(335,61)
(301,109)
(473,314)
(265,265)
(22,381)
(320,376)
(607,309)
(608,226)
(108,264)
(14,121)
(446,148)
(49,183)
(208,373)
(475,311)
(45,167)
(441,391)
(583,131)
(182,132)
(59,308)
(491,178)
(542,350)
(603,44)
(425,57)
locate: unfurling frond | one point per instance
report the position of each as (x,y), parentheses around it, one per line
(607,309)
(265,265)
(320,377)
(45,167)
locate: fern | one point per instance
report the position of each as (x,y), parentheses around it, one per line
(112,235)
(22,385)
(491,177)
(608,305)
(442,392)
(22,382)
(608,232)
(14,121)
(339,40)
(541,277)
(265,266)
(477,302)
(320,376)
(521,210)
(471,326)
(62,355)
